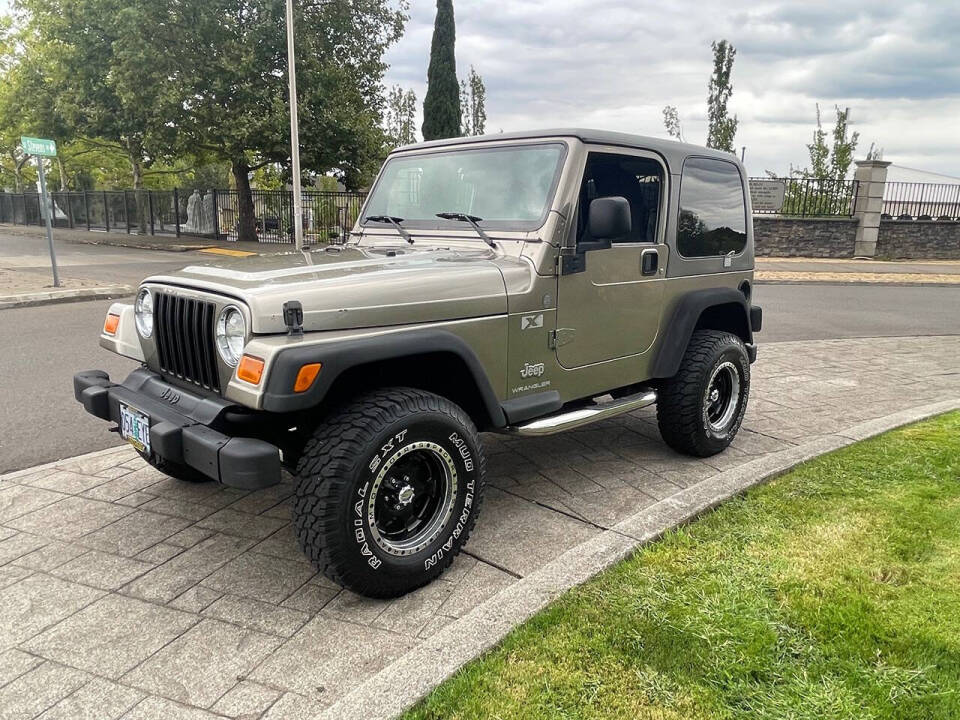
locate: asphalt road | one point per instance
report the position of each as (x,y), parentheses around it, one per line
(102,263)
(820,312)
(43,346)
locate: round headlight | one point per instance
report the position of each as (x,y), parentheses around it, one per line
(231,335)
(143,313)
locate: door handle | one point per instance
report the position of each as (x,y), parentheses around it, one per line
(649,261)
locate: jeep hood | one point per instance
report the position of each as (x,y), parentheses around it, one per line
(355,287)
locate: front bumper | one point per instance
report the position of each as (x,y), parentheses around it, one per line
(180,429)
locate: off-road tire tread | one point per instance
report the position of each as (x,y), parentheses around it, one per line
(327,466)
(678,400)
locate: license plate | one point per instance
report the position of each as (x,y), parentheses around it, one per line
(135,428)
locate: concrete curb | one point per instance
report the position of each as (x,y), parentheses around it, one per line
(125,241)
(411,677)
(80,236)
(50,297)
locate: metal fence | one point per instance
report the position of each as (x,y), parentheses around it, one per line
(921,201)
(327,216)
(803,197)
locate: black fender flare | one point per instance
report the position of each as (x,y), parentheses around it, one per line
(676,334)
(339,356)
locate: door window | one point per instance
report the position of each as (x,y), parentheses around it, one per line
(639,180)
(713,214)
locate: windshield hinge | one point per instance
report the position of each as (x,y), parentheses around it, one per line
(560,336)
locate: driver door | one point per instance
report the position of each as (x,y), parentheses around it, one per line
(610,291)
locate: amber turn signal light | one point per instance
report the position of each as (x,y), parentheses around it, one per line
(250,369)
(306,376)
(111,324)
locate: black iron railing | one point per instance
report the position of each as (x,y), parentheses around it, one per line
(803,197)
(921,201)
(327,216)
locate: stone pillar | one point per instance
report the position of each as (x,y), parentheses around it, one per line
(871,176)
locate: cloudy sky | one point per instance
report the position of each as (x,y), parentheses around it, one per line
(614,64)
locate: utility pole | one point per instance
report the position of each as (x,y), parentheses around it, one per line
(294,133)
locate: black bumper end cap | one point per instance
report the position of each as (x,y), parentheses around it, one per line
(96,401)
(752,353)
(88,379)
(249,464)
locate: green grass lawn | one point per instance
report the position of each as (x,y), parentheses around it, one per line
(832,592)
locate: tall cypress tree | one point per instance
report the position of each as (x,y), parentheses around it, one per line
(441,106)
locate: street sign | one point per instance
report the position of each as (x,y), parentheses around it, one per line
(41,148)
(38,146)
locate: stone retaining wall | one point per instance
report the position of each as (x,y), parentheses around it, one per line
(919,239)
(835,238)
(804,237)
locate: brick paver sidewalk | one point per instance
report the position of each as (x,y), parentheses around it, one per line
(127,594)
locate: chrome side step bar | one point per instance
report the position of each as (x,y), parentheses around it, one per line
(583,416)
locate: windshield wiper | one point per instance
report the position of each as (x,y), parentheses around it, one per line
(473,220)
(395,221)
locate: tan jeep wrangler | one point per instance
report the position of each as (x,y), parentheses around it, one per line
(524,283)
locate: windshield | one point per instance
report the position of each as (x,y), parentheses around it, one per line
(509,187)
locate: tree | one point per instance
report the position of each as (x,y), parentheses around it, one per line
(473,100)
(828,170)
(819,151)
(843,146)
(828,163)
(230,80)
(441,106)
(12,160)
(400,116)
(478,103)
(209,78)
(90,79)
(236,85)
(671,121)
(37,81)
(722,128)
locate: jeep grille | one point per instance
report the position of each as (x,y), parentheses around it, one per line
(184,332)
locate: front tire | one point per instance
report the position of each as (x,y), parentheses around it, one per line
(700,409)
(388,491)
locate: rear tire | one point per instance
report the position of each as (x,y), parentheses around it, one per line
(700,409)
(388,490)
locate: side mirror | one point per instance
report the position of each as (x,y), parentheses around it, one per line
(609,218)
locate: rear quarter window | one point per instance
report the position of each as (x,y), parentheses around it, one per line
(713,212)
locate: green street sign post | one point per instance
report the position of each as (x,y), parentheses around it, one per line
(41,148)
(38,146)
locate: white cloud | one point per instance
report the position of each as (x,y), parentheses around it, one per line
(614,65)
